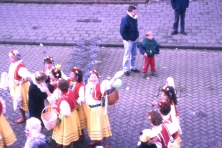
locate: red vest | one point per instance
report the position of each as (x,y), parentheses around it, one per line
(1,107)
(68,97)
(76,90)
(16,76)
(164,136)
(96,93)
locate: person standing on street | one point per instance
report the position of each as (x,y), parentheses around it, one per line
(179,7)
(129,32)
(19,84)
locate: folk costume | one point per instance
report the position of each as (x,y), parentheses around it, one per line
(98,122)
(7,136)
(163,138)
(172,124)
(18,72)
(78,89)
(68,130)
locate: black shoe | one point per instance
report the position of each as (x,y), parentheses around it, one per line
(135,70)
(174,32)
(154,74)
(144,75)
(183,32)
(127,73)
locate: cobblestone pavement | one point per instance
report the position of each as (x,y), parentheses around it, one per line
(66,23)
(198,83)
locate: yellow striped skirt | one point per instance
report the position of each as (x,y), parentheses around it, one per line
(82,112)
(6,132)
(25,89)
(68,130)
(98,124)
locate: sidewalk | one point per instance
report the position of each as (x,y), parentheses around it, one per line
(64,24)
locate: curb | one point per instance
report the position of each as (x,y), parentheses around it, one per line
(74,2)
(72,43)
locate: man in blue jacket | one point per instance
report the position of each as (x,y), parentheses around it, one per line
(179,7)
(129,32)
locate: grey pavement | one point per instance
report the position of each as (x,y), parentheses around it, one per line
(198,82)
(64,24)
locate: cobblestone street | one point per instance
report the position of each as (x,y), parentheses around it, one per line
(198,81)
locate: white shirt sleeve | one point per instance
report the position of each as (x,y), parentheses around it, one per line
(64,76)
(172,111)
(81,94)
(24,73)
(54,96)
(158,145)
(65,109)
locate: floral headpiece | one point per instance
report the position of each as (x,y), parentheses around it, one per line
(95,72)
(166,89)
(48,59)
(13,53)
(56,69)
(149,114)
(76,71)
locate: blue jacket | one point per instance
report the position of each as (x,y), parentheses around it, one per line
(128,28)
(180,4)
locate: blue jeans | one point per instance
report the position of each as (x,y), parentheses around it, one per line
(129,58)
(181,14)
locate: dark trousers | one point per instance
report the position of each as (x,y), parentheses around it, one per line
(179,14)
(149,61)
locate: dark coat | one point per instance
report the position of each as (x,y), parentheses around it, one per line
(36,101)
(180,4)
(145,145)
(128,28)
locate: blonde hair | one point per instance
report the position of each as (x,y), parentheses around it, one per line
(34,124)
(148,32)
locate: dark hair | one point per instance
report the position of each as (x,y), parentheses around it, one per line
(78,73)
(165,108)
(170,92)
(63,85)
(131,8)
(40,76)
(155,118)
(56,73)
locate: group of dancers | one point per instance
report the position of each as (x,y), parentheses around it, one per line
(78,105)
(165,122)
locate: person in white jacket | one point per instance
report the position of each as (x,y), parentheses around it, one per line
(19,78)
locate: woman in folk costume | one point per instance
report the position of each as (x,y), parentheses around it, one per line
(172,124)
(38,92)
(68,129)
(98,121)
(48,69)
(34,138)
(7,136)
(49,66)
(54,80)
(169,95)
(77,86)
(19,76)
